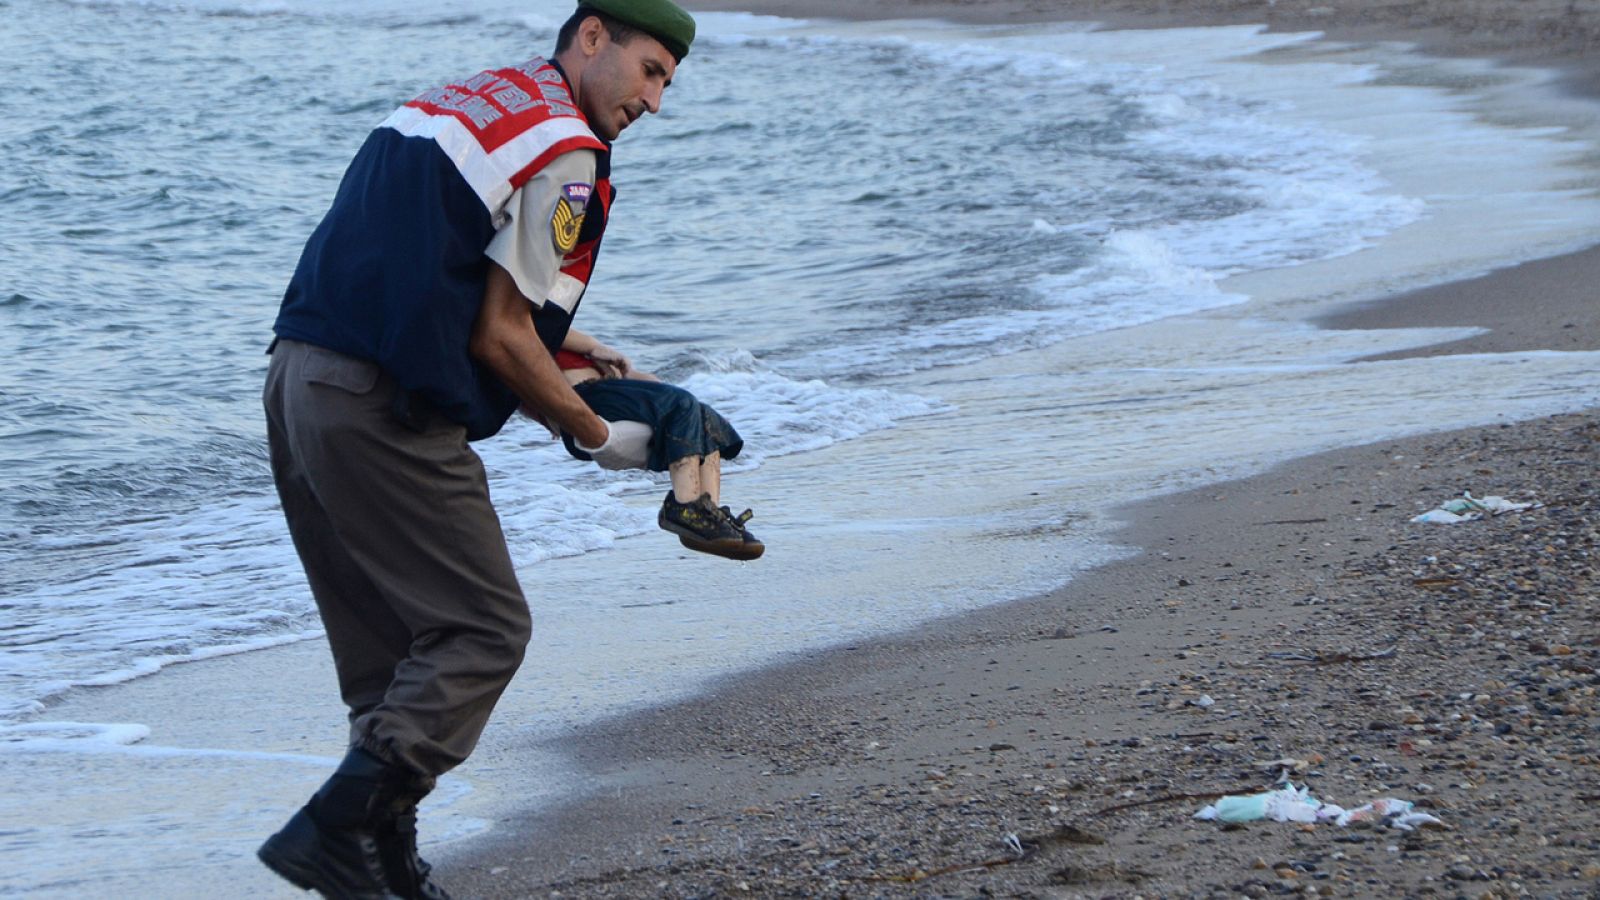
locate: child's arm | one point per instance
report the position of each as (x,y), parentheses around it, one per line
(611,362)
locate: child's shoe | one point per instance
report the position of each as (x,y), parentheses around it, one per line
(753,547)
(702,526)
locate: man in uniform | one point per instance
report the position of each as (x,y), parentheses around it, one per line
(425,309)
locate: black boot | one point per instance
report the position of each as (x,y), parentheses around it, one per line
(330,845)
(405,869)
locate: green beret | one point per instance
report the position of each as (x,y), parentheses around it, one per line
(661,19)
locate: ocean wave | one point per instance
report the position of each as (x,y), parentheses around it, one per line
(916,211)
(221,577)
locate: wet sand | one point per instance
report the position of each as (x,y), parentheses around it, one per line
(1548,304)
(1295,621)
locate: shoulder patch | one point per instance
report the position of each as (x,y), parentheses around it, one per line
(566,220)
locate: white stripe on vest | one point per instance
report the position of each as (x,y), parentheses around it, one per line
(489,174)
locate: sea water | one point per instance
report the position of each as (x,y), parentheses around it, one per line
(961,289)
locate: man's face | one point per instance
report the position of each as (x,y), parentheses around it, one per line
(623,82)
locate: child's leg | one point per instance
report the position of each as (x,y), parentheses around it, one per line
(696,475)
(685,474)
(711,476)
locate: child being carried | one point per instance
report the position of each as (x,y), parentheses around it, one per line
(663,428)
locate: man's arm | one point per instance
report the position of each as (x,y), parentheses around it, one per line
(525,259)
(504,339)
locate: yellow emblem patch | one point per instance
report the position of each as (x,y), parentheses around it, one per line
(564,226)
(566,221)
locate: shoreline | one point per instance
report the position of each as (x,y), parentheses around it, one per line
(870,769)
(1515,304)
(1545,33)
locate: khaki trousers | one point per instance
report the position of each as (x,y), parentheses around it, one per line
(404,554)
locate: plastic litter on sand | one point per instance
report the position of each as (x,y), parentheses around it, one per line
(1467,507)
(1295,804)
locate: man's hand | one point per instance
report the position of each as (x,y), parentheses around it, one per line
(504,339)
(626,447)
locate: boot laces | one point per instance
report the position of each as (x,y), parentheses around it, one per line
(405,828)
(402,837)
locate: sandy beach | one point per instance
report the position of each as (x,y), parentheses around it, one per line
(1292,624)
(1076,721)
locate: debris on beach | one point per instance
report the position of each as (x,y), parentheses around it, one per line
(1295,804)
(1466,507)
(1286,804)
